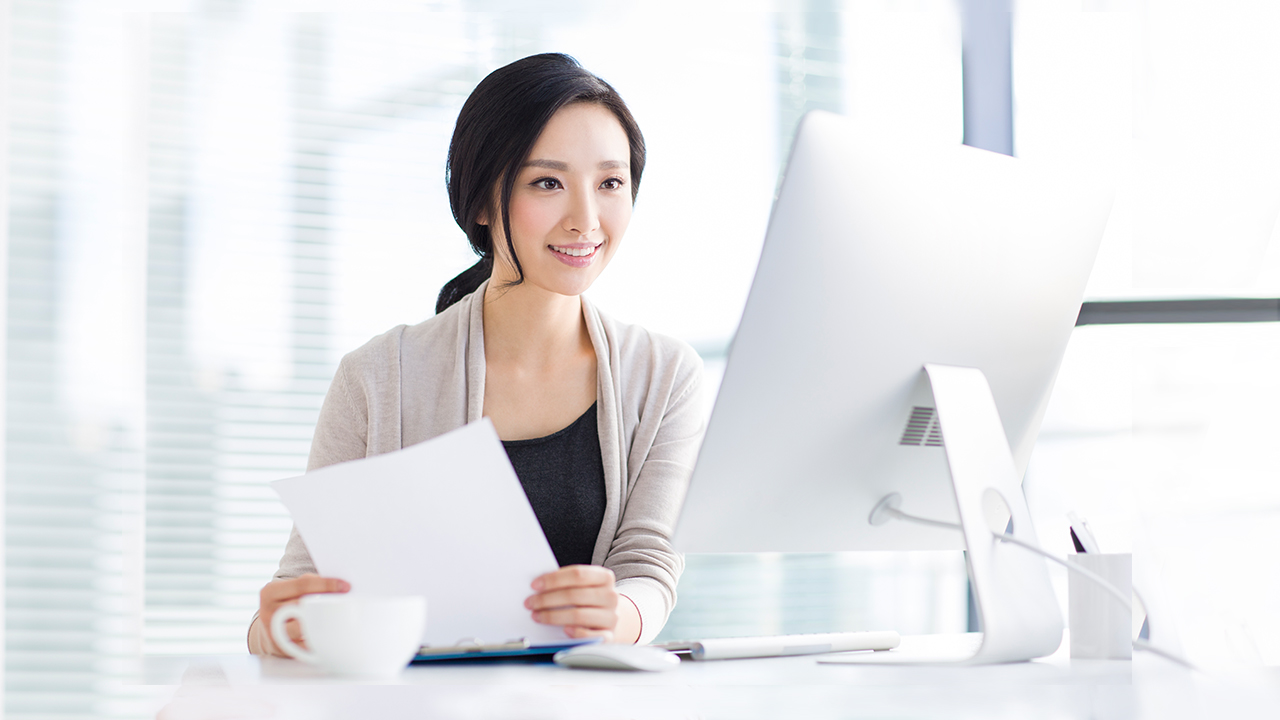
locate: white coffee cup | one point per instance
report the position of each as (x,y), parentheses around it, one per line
(357,635)
(1101,628)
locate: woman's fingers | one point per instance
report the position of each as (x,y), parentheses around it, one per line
(282,591)
(598,596)
(592,618)
(295,631)
(574,576)
(574,631)
(579,597)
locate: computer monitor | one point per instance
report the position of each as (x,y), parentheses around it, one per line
(883,256)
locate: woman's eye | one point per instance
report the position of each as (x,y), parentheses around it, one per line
(612,184)
(547,183)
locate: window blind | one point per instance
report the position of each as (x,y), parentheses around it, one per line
(236,371)
(73,440)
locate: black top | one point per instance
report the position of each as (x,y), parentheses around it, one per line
(563,475)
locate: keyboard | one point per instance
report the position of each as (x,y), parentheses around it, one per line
(783,645)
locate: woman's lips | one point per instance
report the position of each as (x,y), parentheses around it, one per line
(577,261)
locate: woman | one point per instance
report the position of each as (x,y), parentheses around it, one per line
(601,420)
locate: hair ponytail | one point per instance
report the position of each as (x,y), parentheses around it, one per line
(496,130)
(464,284)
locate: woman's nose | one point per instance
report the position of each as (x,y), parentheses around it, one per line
(583,216)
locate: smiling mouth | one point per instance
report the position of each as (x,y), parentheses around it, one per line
(575,251)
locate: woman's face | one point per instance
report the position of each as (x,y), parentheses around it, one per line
(571,203)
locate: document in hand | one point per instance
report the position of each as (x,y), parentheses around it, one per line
(446,519)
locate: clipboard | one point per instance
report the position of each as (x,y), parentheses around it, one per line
(478,650)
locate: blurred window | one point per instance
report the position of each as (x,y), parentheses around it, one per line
(1177,99)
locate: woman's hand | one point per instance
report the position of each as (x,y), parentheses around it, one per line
(582,599)
(283,592)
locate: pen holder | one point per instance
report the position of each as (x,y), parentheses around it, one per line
(1100,626)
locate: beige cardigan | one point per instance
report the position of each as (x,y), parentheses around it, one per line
(411,384)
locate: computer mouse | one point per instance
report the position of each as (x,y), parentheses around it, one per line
(601,656)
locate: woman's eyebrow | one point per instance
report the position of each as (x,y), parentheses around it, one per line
(549,164)
(564,166)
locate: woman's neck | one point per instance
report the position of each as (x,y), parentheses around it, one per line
(529,326)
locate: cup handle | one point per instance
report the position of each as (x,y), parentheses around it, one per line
(281,635)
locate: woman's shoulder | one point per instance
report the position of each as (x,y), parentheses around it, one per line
(383,352)
(372,358)
(646,352)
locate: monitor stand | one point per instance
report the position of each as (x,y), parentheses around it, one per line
(1019,612)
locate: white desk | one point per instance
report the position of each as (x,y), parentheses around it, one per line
(1054,687)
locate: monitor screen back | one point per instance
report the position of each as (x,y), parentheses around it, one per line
(882,255)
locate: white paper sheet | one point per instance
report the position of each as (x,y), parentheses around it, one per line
(446,518)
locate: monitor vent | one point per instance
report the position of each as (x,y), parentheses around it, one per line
(935,435)
(922,428)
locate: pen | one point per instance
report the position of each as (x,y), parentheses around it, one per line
(1081,538)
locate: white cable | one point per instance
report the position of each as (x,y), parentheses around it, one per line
(1087,574)
(1144,645)
(895,512)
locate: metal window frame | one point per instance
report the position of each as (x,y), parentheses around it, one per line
(1209,310)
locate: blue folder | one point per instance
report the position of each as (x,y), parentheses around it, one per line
(480,651)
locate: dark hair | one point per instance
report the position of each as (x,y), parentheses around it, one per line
(496,130)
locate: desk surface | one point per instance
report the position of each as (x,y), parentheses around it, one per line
(1053,687)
